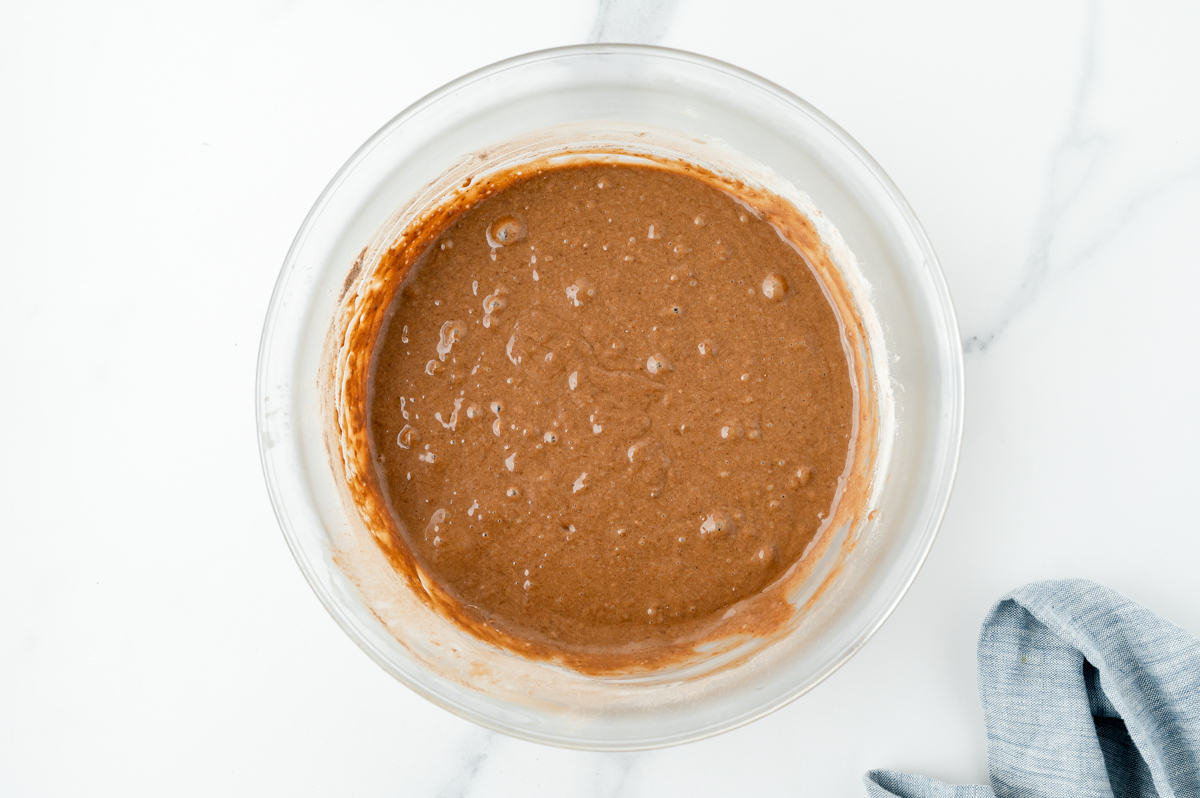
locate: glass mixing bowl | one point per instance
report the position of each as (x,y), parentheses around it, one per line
(597,88)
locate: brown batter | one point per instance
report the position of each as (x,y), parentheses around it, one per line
(608,403)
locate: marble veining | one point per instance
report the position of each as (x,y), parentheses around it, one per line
(632,21)
(620,771)
(467,764)
(1075,163)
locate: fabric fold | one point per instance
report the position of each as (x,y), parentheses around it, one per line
(1086,694)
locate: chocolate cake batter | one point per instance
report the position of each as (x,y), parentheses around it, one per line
(609,403)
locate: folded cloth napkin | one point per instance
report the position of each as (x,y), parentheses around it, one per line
(1086,693)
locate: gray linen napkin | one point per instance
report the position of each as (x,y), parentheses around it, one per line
(1086,693)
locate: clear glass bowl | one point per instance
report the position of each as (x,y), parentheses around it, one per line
(593,86)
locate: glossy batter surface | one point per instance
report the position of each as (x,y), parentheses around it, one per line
(608,404)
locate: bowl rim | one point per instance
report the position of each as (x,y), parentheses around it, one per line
(939,499)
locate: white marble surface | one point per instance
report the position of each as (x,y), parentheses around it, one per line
(155,161)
